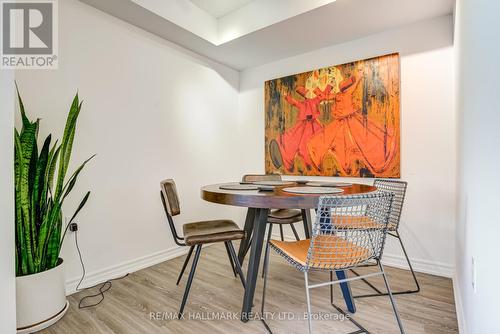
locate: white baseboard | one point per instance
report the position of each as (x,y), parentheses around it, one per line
(462,328)
(419,265)
(99,276)
(398,261)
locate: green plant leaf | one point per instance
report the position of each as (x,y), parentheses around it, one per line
(52,168)
(28,157)
(49,224)
(80,207)
(53,247)
(24,118)
(67,143)
(22,263)
(37,194)
(72,180)
(45,196)
(38,205)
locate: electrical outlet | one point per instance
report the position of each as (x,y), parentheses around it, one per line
(474,275)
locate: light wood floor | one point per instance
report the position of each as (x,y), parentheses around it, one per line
(128,305)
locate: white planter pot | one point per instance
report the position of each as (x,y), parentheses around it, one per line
(40,299)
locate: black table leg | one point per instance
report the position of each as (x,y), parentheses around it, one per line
(346,291)
(242,250)
(306,219)
(259,229)
(345,287)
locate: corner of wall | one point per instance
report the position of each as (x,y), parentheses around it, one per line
(462,326)
(7,264)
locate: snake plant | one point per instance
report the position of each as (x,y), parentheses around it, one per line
(38,199)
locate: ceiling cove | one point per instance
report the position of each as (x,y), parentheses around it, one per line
(248,33)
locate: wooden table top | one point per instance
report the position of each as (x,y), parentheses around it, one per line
(273,199)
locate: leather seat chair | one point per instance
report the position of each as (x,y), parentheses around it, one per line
(197,234)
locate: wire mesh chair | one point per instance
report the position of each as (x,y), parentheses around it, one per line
(398,188)
(332,249)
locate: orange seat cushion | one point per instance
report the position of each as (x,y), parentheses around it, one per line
(328,252)
(355,222)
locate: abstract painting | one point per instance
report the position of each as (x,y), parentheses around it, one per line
(342,120)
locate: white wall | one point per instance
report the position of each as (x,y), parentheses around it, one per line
(152,111)
(477,28)
(428,143)
(7,264)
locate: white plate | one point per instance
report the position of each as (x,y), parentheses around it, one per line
(328,184)
(273,183)
(238,186)
(313,190)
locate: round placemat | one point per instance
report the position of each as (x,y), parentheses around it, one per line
(328,184)
(266,188)
(313,190)
(273,183)
(238,186)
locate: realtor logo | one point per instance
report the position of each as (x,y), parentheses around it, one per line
(29,34)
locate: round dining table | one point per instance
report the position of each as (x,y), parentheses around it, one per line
(259,203)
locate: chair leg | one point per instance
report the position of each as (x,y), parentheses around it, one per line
(331,287)
(281,232)
(380,293)
(295,232)
(374,288)
(308,298)
(249,244)
(265,272)
(396,313)
(190,279)
(409,264)
(185,264)
(361,329)
(230,258)
(266,256)
(232,254)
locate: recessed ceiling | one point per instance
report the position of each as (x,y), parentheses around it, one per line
(204,17)
(267,30)
(218,8)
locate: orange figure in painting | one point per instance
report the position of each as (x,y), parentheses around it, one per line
(294,141)
(352,137)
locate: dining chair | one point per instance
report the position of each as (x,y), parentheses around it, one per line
(332,249)
(278,217)
(398,188)
(197,234)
